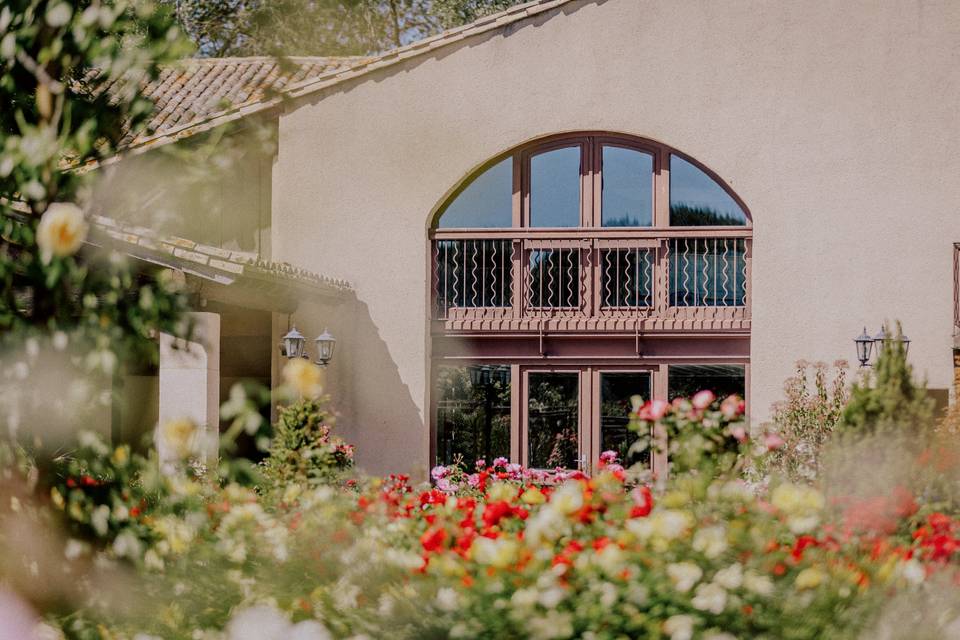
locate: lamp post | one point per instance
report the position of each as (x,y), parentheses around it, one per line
(866,345)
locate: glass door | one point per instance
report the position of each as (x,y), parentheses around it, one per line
(611,408)
(553,424)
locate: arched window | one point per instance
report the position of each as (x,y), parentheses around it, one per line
(576,271)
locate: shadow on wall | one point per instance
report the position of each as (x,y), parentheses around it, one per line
(375,408)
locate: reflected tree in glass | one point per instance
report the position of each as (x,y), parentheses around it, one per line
(697,200)
(684,380)
(616,390)
(553,420)
(473,413)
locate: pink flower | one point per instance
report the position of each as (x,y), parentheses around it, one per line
(732,407)
(438,472)
(608,457)
(739,432)
(703,399)
(773,441)
(654,410)
(500,462)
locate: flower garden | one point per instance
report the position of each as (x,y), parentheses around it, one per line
(113,549)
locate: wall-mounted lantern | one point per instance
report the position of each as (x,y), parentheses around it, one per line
(325,345)
(867,345)
(294,345)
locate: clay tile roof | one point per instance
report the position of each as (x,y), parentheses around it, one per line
(201,94)
(197,89)
(220,265)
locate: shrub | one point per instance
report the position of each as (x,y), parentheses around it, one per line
(303,451)
(806,420)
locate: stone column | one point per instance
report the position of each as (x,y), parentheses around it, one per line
(190,386)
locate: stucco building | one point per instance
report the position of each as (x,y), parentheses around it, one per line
(522,222)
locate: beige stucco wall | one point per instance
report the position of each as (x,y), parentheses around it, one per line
(835,122)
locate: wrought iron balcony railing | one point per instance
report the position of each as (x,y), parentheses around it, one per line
(600,279)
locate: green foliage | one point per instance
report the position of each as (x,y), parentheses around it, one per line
(887,399)
(320,27)
(303,452)
(806,419)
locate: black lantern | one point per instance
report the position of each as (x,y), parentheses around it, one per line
(905,341)
(325,345)
(292,344)
(864,347)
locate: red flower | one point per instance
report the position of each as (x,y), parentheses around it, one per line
(494,512)
(800,545)
(642,502)
(433,539)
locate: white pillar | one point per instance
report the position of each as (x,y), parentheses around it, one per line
(190,385)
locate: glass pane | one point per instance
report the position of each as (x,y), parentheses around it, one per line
(627,199)
(473,413)
(615,392)
(626,277)
(553,420)
(486,202)
(707,272)
(684,380)
(554,278)
(473,273)
(555,188)
(697,200)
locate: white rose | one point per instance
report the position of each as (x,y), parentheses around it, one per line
(679,627)
(684,575)
(710,597)
(710,541)
(61,231)
(730,577)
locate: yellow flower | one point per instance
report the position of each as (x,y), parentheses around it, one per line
(61,231)
(809,578)
(501,491)
(802,505)
(498,554)
(533,496)
(304,377)
(121,454)
(291,493)
(178,436)
(57,498)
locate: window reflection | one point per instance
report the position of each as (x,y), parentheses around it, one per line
(616,390)
(553,420)
(684,380)
(555,188)
(473,413)
(697,200)
(627,194)
(486,202)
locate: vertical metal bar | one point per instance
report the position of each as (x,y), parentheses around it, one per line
(483,273)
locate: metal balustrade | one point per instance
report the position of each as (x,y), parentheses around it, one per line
(667,274)
(707,272)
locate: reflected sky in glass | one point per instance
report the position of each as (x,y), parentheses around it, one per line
(486,202)
(627,199)
(555,188)
(697,200)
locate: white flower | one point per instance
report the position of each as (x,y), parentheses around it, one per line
(495,553)
(550,626)
(679,627)
(758,583)
(100,519)
(730,577)
(447,599)
(546,526)
(553,596)
(61,231)
(684,575)
(568,498)
(260,622)
(309,630)
(711,541)
(719,635)
(75,548)
(912,571)
(710,597)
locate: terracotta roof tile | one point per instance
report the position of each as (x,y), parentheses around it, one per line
(203,93)
(198,89)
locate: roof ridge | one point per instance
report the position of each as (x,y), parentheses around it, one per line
(236,59)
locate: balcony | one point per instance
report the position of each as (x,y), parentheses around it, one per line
(592,280)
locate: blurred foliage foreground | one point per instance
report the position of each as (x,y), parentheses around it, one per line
(104,546)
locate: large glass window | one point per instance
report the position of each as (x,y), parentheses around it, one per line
(616,389)
(627,196)
(553,419)
(684,380)
(555,188)
(486,202)
(697,200)
(473,413)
